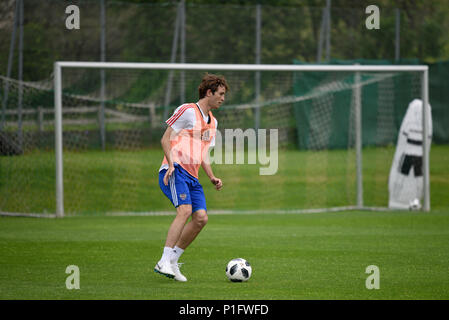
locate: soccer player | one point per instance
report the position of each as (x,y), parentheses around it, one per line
(186,142)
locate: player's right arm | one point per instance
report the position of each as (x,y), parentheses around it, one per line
(166,146)
(183,118)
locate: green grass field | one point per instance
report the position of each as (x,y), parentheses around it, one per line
(294,256)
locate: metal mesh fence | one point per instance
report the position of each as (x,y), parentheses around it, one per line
(193,33)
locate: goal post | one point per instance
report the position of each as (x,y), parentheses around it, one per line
(425,134)
(357,92)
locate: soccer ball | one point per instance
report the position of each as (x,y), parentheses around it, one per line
(415,205)
(238,270)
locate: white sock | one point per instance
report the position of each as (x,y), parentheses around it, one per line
(167,254)
(176,253)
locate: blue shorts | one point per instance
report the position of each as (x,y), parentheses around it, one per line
(183,188)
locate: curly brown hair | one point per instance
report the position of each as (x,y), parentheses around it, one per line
(212,82)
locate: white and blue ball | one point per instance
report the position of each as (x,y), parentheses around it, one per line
(415,204)
(238,270)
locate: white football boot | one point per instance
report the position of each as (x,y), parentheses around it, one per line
(164,268)
(178,275)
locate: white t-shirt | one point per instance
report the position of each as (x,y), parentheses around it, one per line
(185,118)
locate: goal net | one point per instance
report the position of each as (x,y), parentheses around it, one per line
(88,141)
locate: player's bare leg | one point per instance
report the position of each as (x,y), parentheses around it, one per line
(164,265)
(189,233)
(192,229)
(183,212)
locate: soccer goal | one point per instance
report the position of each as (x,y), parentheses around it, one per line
(335,129)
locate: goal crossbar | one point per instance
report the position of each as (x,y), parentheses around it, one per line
(239,67)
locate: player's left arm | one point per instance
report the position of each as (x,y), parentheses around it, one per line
(208,169)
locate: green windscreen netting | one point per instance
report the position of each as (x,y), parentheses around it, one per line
(325,116)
